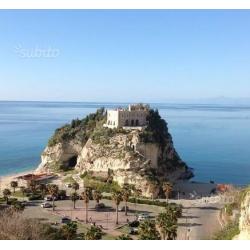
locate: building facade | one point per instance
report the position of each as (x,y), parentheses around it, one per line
(134,116)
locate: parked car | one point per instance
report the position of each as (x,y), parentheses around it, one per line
(123,209)
(65,220)
(143,216)
(46,205)
(48,198)
(100,206)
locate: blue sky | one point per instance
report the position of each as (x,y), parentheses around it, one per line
(120,55)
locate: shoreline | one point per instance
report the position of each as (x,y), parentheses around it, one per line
(6,179)
(186,186)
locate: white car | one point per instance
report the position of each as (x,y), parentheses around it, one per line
(48,198)
(46,205)
(143,216)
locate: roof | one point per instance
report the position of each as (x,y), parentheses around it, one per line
(35,177)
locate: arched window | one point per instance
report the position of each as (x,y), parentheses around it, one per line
(132,122)
(136,123)
(126,123)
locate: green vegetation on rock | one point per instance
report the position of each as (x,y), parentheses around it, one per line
(79,129)
(157,130)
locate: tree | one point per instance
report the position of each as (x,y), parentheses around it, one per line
(167,224)
(53,191)
(97,196)
(126,192)
(43,188)
(6,194)
(124,237)
(117,198)
(167,189)
(22,189)
(75,186)
(14,185)
(32,185)
(86,196)
(110,175)
(74,197)
(62,194)
(173,211)
(18,206)
(69,231)
(147,231)
(93,233)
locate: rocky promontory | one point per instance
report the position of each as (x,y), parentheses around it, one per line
(143,157)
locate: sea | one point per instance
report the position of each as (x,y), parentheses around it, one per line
(214,140)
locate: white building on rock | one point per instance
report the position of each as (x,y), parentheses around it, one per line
(135,116)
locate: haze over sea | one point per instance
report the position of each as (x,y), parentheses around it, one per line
(212,139)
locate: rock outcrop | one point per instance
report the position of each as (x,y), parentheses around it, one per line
(145,158)
(244,221)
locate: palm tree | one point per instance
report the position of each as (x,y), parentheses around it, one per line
(14,185)
(117,198)
(167,189)
(110,175)
(97,196)
(53,191)
(137,193)
(126,192)
(74,197)
(75,186)
(86,196)
(174,210)
(147,231)
(167,224)
(32,186)
(43,188)
(94,233)
(6,194)
(22,189)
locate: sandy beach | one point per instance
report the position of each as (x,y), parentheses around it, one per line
(6,179)
(187,189)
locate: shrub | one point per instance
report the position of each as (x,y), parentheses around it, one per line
(228,232)
(94,233)
(35,197)
(124,237)
(79,129)
(156,131)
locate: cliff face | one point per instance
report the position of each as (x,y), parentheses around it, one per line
(135,157)
(244,221)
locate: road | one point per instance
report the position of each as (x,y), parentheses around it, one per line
(199,221)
